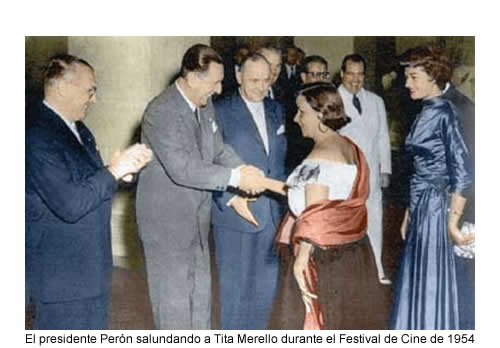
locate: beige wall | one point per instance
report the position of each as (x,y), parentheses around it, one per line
(130,72)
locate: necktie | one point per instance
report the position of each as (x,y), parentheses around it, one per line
(197,116)
(356,103)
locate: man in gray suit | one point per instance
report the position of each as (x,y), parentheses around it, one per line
(174,194)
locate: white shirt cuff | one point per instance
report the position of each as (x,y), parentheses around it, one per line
(234,180)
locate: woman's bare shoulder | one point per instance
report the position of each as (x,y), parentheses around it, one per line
(340,152)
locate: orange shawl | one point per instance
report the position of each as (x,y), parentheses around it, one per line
(328,223)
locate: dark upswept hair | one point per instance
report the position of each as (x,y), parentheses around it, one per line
(324,98)
(59,65)
(313,59)
(432,59)
(198,58)
(355,58)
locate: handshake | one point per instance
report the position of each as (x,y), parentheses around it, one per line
(253,181)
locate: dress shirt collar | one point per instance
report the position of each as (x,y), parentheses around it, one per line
(259,117)
(68,123)
(446,88)
(189,102)
(250,103)
(270,93)
(289,70)
(343,91)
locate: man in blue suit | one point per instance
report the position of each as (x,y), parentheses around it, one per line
(68,202)
(246,263)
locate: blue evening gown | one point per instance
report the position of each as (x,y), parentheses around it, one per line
(426,287)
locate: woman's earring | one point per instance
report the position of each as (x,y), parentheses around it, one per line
(319,127)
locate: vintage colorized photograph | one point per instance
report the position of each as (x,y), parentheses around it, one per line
(250,182)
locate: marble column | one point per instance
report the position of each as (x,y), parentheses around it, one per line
(130,71)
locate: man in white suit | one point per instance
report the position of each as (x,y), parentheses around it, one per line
(369,131)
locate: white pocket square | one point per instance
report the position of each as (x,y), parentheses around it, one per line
(214,126)
(281,130)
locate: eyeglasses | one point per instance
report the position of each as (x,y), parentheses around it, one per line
(318,74)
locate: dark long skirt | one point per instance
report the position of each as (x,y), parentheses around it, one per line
(350,294)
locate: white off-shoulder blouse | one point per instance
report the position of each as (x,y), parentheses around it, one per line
(339,177)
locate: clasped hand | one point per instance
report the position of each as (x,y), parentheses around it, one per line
(454,232)
(253,181)
(458,237)
(129,161)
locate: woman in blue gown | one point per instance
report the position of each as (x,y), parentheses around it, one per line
(426,287)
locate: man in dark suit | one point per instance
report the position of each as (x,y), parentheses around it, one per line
(68,202)
(465,267)
(289,80)
(246,262)
(290,72)
(229,84)
(273,56)
(174,194)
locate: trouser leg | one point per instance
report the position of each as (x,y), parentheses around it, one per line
(179,286)
(248,273)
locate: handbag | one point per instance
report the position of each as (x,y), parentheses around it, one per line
(467,251)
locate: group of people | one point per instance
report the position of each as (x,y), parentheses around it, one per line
(296,248)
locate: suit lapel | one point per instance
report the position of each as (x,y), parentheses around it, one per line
(89,143)
(88,148)
(187,117)
(202,133)
(270,124)
(241,108)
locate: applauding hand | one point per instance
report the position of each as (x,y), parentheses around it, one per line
(130,161)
